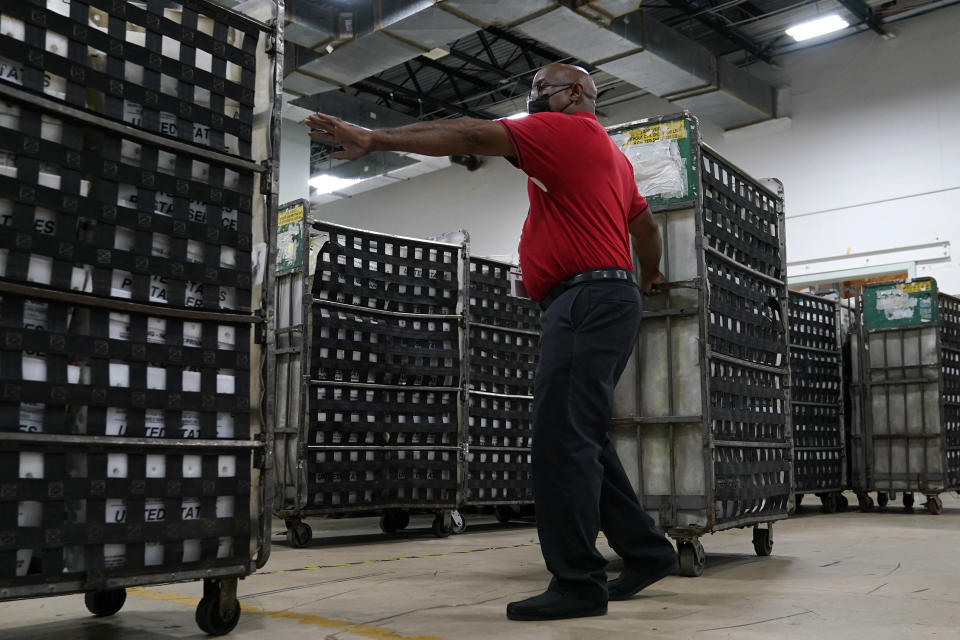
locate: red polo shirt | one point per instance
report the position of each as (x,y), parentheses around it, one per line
(582,198)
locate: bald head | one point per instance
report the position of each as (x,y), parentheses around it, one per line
(567,88)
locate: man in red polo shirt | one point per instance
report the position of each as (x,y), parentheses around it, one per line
(576,261)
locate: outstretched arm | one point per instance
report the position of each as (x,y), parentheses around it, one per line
(435,138)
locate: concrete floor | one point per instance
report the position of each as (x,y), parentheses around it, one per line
(874,576)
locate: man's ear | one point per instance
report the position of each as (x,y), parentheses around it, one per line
(577,92)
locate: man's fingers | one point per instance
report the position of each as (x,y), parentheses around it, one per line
(321,121)
(322,135)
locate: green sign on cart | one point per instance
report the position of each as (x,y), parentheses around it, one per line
(290,237)
(664,154)
(903,304)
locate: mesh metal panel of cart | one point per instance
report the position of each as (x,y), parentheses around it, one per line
(373,321)
(503,339)
(905,376)
(133,198)
(816,376)
(702,415)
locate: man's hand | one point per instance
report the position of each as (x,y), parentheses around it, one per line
(649,282)
(356,141)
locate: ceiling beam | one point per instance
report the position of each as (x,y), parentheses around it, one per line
(717,25)
(442,104)
(861,10)
(486,66)
(413,76)
(527,44)
(487,49)
(456,73)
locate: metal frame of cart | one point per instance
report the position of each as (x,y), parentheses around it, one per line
(218,610)
(514,327)
(663,419)
(474,455)
(903,436)
(834,453)
(294,334)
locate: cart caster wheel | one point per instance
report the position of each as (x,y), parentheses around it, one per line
(442,525)
(842,502)
(866,502)
(393,521)
(908,502)
(934,505)
(299,534)
(692,558)
(105,603)
(219,610)
(828,503)
(215,621)
(504,514)
(796,503)
(763,541)
(882,500)
(459,522)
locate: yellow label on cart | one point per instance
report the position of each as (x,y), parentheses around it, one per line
(674,130)
(915,287)
(287,216)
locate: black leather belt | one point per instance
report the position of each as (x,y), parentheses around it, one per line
(591,275)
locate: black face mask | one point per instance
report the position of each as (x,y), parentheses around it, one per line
(541,104)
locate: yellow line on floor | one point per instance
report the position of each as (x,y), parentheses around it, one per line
(344,626)
(379,560)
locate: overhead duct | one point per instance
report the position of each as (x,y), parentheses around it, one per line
(381,35)
(737,99)
(501,12)
(335,48)
(344,48)
(375,36)
(654,57)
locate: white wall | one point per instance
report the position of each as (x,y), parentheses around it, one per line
(870,160)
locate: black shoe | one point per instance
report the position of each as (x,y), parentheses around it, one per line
(553,605)
(632,581)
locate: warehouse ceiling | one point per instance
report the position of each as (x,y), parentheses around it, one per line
(389,62)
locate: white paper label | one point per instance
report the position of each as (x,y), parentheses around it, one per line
(30,512)
(191,550)
(116,465)
(191,466)
(156,466)
(224,506)
(154,510)
(224,425)
(31,465)
(31,417)
(190,509)
(115,511)
(227,466)
(152,554)
(114,556)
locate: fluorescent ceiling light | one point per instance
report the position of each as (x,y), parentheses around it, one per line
(818,27)
(437,53)
(519,114)
(325,183)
